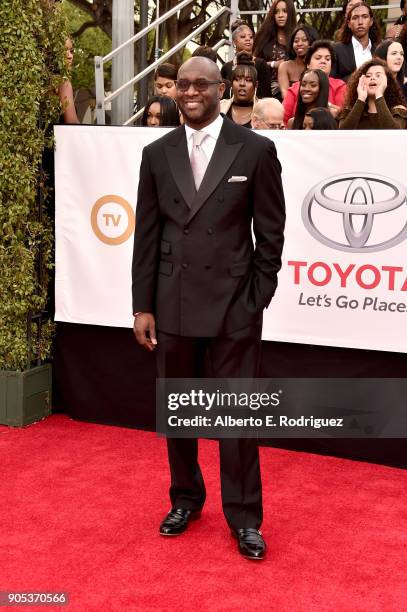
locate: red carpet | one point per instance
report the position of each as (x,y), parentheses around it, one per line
(81,504)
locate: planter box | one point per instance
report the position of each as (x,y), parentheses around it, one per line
(25,397)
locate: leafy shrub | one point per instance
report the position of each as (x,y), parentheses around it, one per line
(32,39)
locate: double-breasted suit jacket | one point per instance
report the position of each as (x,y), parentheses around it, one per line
(194,264)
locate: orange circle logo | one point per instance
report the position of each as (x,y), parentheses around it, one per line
(112,219)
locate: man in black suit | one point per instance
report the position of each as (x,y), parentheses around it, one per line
(199,281)
(357,41)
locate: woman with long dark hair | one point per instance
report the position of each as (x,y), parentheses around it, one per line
(242,39)
(289,72)
(319,119)
(272,39)
(373,100)
(391,52)
(313,92)
(160,111)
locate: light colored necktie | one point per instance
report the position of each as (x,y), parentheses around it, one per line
(199,161)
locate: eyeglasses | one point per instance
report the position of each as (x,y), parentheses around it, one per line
(200,84)
(271,126)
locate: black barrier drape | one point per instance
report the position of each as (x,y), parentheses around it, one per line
(101,375)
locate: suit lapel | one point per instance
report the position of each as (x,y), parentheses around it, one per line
(222,158)
(351,58)
(178,160)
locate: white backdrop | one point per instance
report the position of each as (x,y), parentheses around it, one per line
(343,280)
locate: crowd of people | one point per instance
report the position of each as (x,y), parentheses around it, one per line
(286,76)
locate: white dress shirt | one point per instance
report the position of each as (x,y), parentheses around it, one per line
(208,145)
(361,55)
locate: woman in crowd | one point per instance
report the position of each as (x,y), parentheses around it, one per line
(392,52)
(289,72)
(65,91)
(165,78)
(373,100)
(242,38)
(319,119)
(239,107)
(160,111)
(320,55)
(272,39)
(313,92)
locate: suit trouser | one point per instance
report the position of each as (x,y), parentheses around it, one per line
(233,356)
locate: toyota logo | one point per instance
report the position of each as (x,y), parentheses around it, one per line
(357,212)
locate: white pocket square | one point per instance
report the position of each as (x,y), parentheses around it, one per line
(237,179)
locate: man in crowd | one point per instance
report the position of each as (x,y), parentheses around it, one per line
(268,114)
(358,38)
(199,281)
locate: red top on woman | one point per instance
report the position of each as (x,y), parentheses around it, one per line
(336,95)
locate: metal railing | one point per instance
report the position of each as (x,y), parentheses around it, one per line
(138,114)
(331,9)
(102,100)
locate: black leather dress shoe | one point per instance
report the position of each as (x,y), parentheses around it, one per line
(176,521)
(250,543)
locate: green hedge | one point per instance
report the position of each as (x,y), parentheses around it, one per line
(32,38)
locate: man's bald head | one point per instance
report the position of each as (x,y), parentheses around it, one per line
(268,114)
(199,91)
(205,65)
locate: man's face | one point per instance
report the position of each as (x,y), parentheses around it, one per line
(199,104)
(360,22)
